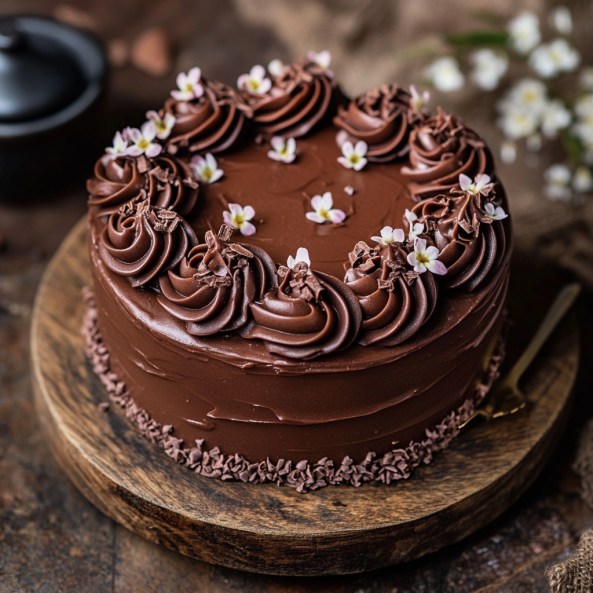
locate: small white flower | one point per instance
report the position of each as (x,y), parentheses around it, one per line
(142,141)
(517,122)
(238,217)
(586,78)
(301,257)
(508,152)
(551,59)
(353,157)
(419,101)
(205,169)
(489,68)
(557,178)
(481,185)
(584,131)
(524,32)
(445,74)
(323,210)
(119,147)
(415,228)
(322,59)
(275,67)
(528,94)
(555,117)
(584,106)
(162,125)
(284,150)
(188,85)
(255,82)
(425,258)
(390,235)
(494,212)
(582,181)
(561,20)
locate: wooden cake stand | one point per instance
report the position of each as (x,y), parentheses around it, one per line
(263,528)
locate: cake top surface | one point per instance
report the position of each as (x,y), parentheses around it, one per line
(286,213)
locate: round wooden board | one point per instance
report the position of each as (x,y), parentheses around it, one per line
(266,529)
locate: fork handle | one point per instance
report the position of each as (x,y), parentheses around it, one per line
(556,312)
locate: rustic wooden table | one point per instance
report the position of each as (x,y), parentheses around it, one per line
(51,539)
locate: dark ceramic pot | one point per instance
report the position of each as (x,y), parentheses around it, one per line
(52,85)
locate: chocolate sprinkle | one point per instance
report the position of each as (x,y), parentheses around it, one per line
(304,476)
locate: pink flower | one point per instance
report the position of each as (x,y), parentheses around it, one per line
(323,210)
(142,141)
(425,258)
(238,217)
(255,82)
(189,85)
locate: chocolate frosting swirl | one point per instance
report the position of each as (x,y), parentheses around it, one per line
(302,95)
(164,181)
(395,300)
(383,118)
(441,148)
(215,283)
(215,122)
(141,241)
(472,244)
(309,315)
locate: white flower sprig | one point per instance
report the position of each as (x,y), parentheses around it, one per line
(255,82)
(324,211)
(239,217)
(489,68)
(301,257)
(415,228)
(553,58)
(426,258)
(284,150)
(205,168)
(188,85)
(353,156)
(162,124)
(142,141)
(389,235)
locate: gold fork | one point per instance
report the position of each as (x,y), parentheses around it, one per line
(506,397)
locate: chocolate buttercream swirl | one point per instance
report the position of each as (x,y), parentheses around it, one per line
(441,148)
(215,122)
(383,118)
(395,300)
(215,283)
(165,182)
(309,315)
(472,243)
(302,95)
(141,241)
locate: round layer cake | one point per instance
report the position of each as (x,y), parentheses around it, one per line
(294,286)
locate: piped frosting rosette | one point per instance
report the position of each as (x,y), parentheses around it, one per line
(214,284)
(442,148)
(309,314)
(300,96)
(214,121)
(141,242)
(468,229)
(395,300)
(163,181)
(383,118)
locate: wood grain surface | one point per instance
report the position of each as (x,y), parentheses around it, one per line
(266,529)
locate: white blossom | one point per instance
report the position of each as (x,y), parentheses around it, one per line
(481,185)
(142,141)
(255,82)
(389,235)
(488,68)
(415,228)
(323,210)
(445,74)
(551,59)
(163,125)
(582,180)
(555,117)
(426,258)
(205,168)
(529,94)
(517,122)
(275,67)
(561,20)
(119,146)
(419,100)
(238,217)
(301,257)
(586,78)
(353,157)
(284,150)
(584,106)
(494,212)
(524,33)
(322,59)
(557,178)
(188,85)
(508,151)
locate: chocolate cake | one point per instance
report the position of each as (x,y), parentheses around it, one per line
(293,286)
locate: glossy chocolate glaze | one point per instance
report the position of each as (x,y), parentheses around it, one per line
(237,395)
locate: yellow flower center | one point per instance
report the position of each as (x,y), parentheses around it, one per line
(238,219)
(207,173)
(324,213)
(421,258)
(354,158)
(253,84)
(143,144)
(189,87)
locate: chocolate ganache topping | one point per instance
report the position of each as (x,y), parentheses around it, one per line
(308,315)
(383,118)
(141,241)
(164,181)
(395,300)
(302,95)
(215,283)
(471,241)
(441,148)
(214,122)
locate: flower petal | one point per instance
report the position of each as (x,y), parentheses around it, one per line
(264,86)
(277,142)
(411,257)
(398,235)
(194,75)
(302,255)
(218,173)
(431,252)
(344,162)
(314,217)
(359,164)
(248,212)
(419,245)
(437,267)
(464,182)
(258,72)
(361,148)
(235,209)
(153,150)
(347,149)
(291,145)
(247,229)
(316,202)
(337,216)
